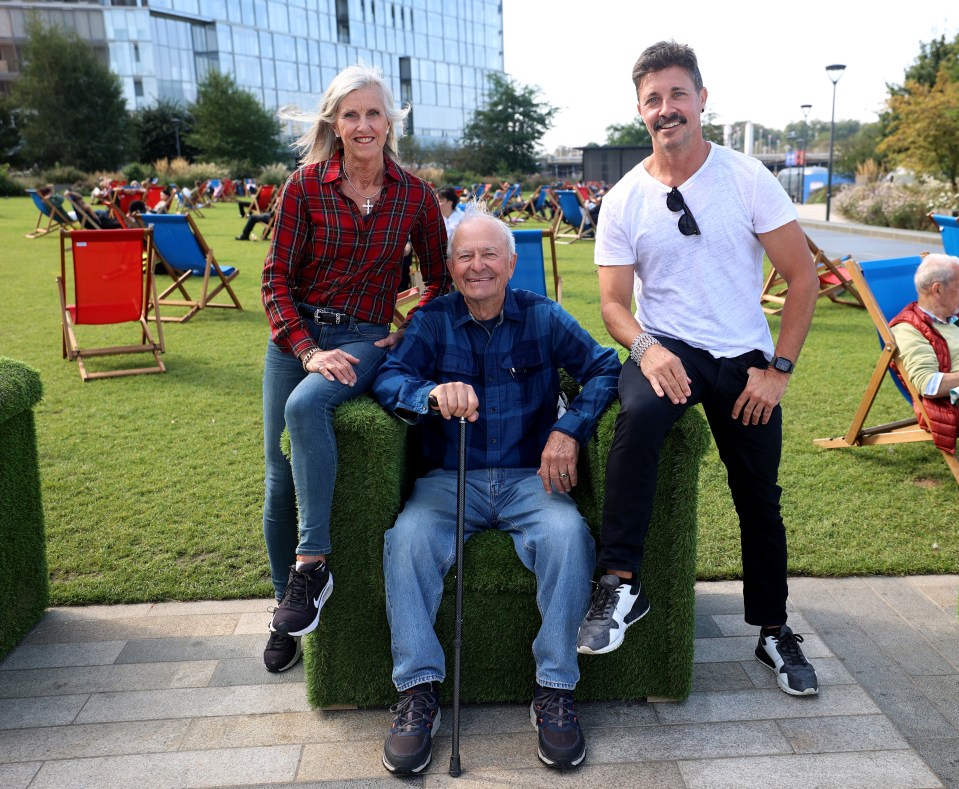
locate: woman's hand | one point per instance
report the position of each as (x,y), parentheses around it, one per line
(335,365)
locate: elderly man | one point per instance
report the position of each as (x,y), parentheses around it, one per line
(928,337)
(491,354)
(684,234)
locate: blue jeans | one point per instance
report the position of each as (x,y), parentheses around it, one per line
(305,403)
(551,539)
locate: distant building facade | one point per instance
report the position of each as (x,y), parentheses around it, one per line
(436,54)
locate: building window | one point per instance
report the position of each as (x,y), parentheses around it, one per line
(406,91)
(138,88)
(343,21)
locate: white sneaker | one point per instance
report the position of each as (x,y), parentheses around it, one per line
(616,604)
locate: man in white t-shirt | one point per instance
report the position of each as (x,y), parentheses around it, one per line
(684,233)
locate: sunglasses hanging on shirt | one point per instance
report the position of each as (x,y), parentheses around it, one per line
(687,224)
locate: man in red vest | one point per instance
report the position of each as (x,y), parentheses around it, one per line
(927,334)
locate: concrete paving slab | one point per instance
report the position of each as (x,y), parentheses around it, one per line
(103,679)
(30,712)
(868,770)
(245,731)
(771,704)
(942,756)
(92,653)
(842,733)
(250,671)
(212,768)
(100,739)
(733,625)
(689,741)
(944,693)
(59,630)
(221,647)
(635,776)
(18,776)
(706,627)
(723,650)
(193,703)
(732,675)
(241,607)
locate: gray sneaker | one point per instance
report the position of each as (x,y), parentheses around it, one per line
(616,604)
(782,654)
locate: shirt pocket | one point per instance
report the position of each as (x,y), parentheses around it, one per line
(456,365)
(527,369)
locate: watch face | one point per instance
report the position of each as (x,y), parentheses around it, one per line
(783,365)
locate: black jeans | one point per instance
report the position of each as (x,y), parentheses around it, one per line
(751,454)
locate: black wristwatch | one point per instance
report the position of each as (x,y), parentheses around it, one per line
(782,364)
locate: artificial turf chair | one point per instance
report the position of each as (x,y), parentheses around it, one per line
(348,661)
(24,583)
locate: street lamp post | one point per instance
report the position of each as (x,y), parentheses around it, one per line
(802,168)
(176,131)
(792,145)
(834,72)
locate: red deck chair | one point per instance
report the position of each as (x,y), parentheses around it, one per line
(110,285)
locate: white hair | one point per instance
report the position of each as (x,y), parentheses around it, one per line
(479,209)
(936,267)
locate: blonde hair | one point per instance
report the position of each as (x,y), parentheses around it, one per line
(319,143)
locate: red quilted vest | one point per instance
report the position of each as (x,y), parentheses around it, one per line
(943,414)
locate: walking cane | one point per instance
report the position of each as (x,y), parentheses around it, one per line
(458,629)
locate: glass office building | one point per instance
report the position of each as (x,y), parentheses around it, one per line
(436,54)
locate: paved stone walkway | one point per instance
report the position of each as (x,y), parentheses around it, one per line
(174,695)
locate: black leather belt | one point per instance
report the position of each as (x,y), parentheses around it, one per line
(323,315)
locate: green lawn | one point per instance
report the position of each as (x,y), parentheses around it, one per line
(153,485)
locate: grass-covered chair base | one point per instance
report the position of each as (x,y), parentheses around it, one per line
(348,658)
(24,583)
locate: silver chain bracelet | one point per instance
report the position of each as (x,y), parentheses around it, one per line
(309,355)
(641,344)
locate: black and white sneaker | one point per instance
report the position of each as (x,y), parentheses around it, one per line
(409,745)
(282,652)
(615,605)
(306,590)
(781,653)
(561,741)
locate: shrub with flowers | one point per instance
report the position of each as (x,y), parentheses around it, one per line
(899,205)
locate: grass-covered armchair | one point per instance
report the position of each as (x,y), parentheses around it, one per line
(348,658)
(24,584)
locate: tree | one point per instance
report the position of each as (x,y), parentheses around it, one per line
(70,106)
(10,140)
(502,137)
(932,56)
(634,133)
(924,128)
(230,125)
(156,129)
(860,148)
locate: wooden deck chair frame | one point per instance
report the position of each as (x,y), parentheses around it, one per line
(579,230)
(84,212)
(835,282)
(131,307)
(540,261)
(902,431)
(56,217)
(405,301)
(212,272)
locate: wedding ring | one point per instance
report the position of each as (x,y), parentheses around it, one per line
(563,475)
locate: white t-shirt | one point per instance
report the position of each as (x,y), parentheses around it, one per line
(453,220)
(703,290)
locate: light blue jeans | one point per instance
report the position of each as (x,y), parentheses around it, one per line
(305,403)
(551,539)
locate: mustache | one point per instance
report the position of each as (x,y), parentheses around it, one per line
(670,119)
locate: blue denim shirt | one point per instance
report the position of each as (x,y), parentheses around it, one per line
(514,370)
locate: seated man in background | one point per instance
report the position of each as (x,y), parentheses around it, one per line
(491,354)
(927,334)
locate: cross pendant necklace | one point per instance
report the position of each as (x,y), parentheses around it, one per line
(367,205)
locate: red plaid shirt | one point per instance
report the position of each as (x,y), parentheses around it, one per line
(327,253)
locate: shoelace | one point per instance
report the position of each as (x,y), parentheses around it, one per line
(554,708)
(277,640)
(295,595)
(789,648)
(601,603)
(413,711)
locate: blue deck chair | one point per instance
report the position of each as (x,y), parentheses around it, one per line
(55,216)
(530,272)
(573,212)
(949,227)
(184,254)
(498,206)
(885,287)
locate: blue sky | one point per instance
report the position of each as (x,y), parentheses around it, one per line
(758,67)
